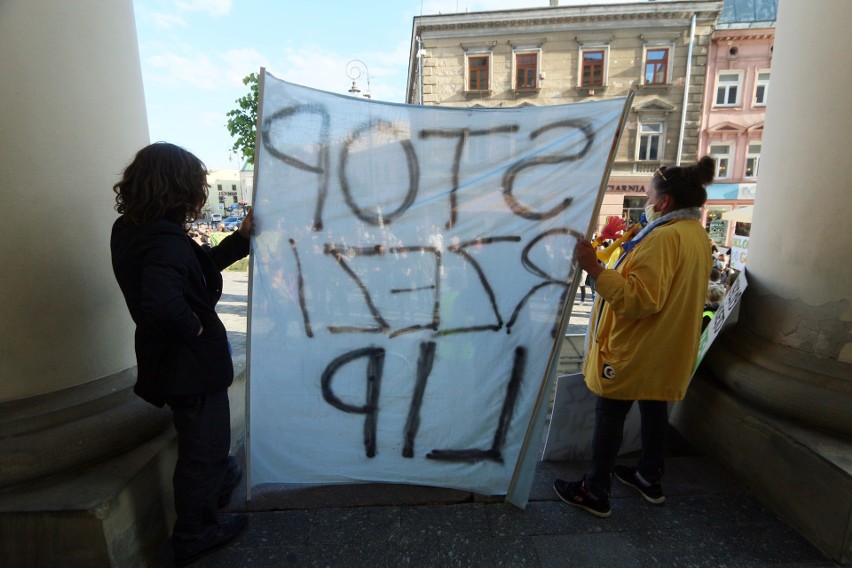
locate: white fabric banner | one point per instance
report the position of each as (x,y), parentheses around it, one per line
(409,268)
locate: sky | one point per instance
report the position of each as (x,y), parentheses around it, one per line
(195,53)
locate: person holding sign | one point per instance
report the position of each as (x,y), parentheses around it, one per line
(643,334)
(171,285)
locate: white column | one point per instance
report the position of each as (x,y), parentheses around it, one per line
(72,115)
(798,260)
(790,353)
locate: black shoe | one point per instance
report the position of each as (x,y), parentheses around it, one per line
(232,479)
(228,529)
(652,492)
(577,494)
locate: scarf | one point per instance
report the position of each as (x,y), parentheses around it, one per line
(676,215)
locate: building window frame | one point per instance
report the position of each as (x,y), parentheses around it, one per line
(533,68)
(729,88)
(660,69)
(761,87)
(650,140)
(752,163)
(478,56)
(723,155)
(632,208)
(583,66)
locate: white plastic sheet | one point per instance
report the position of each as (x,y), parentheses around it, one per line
(409,268)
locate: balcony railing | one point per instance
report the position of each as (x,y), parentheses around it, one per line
(645,167)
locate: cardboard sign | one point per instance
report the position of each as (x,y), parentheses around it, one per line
(572,423)
(729,304)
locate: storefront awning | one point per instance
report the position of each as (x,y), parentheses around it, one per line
(740,214)
(730,191)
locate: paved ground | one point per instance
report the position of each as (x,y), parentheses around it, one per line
(710,518)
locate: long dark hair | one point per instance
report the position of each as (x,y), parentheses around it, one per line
(686,185)
(163,181)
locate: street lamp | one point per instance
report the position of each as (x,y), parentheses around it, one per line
(354,70)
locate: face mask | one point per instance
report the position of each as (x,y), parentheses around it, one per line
(650,214)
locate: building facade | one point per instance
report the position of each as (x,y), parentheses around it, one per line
(230,190)
(566,54)
(734,108)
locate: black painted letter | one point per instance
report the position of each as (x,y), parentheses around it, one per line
(375,366)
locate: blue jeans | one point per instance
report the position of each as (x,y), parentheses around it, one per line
(607,438)
(203,424)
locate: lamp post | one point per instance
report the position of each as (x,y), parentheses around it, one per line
(354,70)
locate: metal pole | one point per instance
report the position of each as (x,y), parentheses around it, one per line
(258,148)
(420,70)
(685,91)
(519,486)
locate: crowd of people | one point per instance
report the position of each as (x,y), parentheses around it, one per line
(722,276)
(203,234)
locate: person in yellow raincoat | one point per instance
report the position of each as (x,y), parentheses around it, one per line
(643,334)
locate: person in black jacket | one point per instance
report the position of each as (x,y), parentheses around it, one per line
(171,285)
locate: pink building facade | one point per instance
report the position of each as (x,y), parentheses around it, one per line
(737,89)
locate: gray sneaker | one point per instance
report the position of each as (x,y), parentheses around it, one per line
(577,494)
(228,529)
(630,476)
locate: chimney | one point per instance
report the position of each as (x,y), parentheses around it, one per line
(554,2)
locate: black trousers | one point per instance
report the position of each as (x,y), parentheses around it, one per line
(608,435)
(203,424)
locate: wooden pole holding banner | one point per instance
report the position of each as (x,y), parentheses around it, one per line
(257,147)
(522,478)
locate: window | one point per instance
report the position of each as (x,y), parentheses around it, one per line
(761,89)
(722,154)
(716,227)
(219,187)
(526,71)
(592,72)
(650,141)
(633,209)
(233,187)
(478,72)
(728,88)
(656,65)
(753,160)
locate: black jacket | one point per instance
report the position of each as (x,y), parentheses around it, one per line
(171,286)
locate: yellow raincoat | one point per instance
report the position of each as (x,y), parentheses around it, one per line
(646,323)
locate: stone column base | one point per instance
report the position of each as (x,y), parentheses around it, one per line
(114,512)
(804,475)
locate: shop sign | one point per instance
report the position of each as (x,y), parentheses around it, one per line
(626,188)
(718,230)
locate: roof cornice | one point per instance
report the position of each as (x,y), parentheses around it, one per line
(640,13)
(742,34)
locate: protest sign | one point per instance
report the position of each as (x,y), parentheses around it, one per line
(409,270)
(739,252)
(723,313)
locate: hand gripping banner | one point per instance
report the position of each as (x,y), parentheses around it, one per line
(409,272)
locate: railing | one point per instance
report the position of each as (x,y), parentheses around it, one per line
(645,167)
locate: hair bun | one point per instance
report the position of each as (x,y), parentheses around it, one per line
(706,167)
